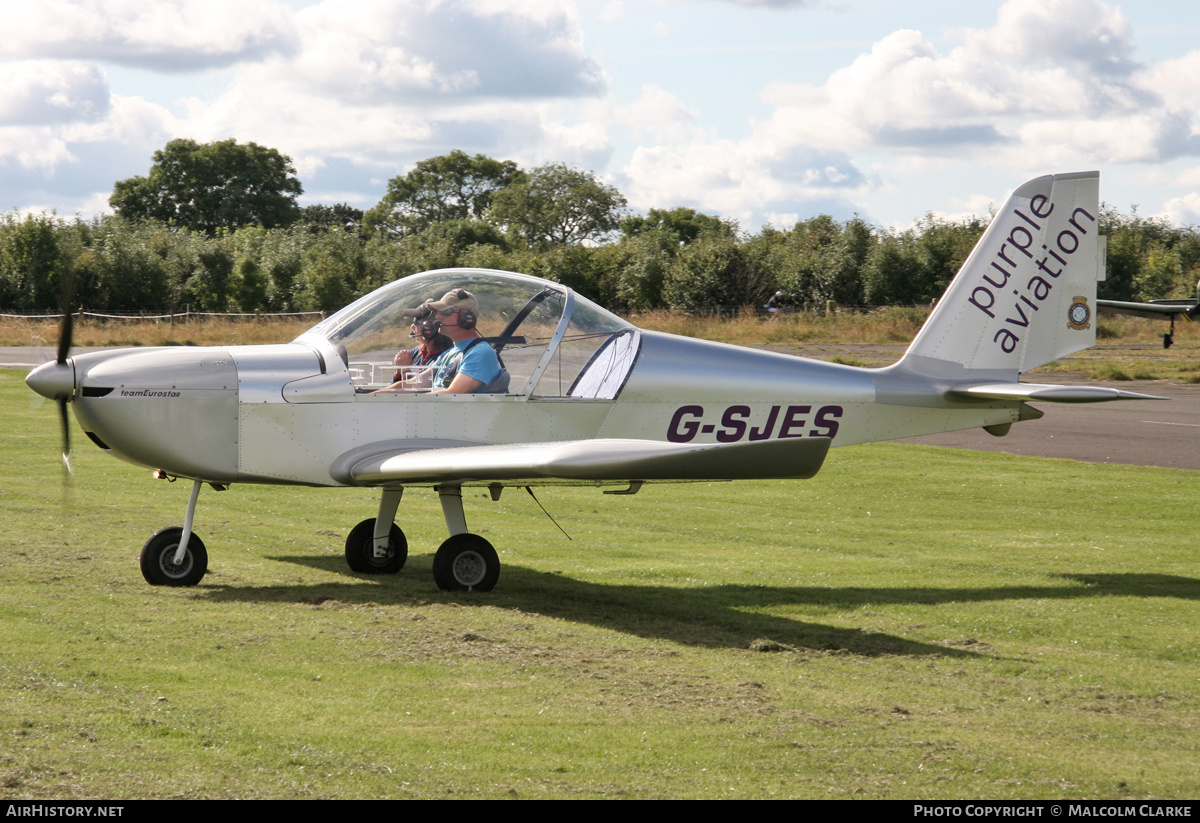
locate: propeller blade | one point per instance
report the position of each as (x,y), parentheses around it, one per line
(65,423)
(66,332)
(66,304)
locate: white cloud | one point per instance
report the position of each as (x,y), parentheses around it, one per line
(29,153)
(74,165)
(658,115)
(381,84)
(1183,210)
(1097,38)
(356,91)
(383,51)
(1044,66)
(45,92)
(1051,85)
(746,180)
(1176,81)
(166,35)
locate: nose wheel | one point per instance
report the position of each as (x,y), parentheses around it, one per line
(158,559)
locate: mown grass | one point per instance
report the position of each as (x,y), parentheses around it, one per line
(912,623)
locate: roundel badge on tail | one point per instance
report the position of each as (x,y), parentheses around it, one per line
(1079,314)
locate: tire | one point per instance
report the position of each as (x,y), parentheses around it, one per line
(360,550)
(466,562)
(158,559)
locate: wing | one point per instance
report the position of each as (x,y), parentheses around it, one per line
(1159,310)
(610,459)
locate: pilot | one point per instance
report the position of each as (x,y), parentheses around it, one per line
(471,365)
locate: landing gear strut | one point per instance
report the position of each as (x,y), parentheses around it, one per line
(174,556)
(378,546)
(465,562)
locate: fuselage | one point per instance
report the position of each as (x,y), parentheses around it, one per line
(306,412)
(291,413)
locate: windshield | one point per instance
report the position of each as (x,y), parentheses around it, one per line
(548,338)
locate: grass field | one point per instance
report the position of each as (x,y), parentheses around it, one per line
(912,623)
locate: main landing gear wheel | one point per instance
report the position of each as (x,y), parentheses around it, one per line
(158,559)
(466,562)
(360,550)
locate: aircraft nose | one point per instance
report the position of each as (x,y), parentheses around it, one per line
(53,380)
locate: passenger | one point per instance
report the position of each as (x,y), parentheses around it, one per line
(431,344)
(471,365)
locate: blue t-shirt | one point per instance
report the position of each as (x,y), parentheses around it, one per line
(473,357)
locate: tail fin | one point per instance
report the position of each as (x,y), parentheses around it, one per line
(1027,293)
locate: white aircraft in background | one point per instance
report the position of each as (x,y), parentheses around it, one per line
(590,399)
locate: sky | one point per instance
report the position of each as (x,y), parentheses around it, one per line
(761,111)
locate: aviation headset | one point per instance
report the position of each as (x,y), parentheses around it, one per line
(427,329)
(466,318)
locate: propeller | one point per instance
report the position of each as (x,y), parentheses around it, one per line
(56,380)
(65,333)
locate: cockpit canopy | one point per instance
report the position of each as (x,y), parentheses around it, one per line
(553,342)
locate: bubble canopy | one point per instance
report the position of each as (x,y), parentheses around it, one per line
(552,341)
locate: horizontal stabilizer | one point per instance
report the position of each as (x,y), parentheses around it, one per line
(1045,393)
(611,459)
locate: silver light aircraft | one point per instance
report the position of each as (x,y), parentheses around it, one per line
(589,399)
(1163,309)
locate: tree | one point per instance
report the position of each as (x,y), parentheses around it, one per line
(1134,242)
(683,223)
(454,186)
(714,272)
(32,261)
(319,218)
(649,246)
(821,259)
(214,186)
(558,205)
